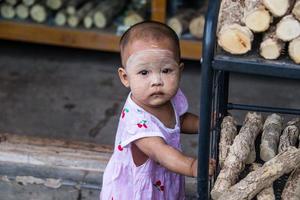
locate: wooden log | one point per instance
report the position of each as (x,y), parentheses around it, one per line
(73,5)
(22,11)
(180,21)
(196,26)
(136,13)
(7,11)
(88,21)
(288,28)
(228,133)
(55,4)
(266,193)
(11,2)
(263,177)
(291,189)
(252,155)
(294,50)
(256,17)
(270,137)
(75,19)
(38,13)
(271,47)
(289,135)
(233,37)
(28,2)
(238,153)
(106,11)
(278,8)
(296,10)
(60,18)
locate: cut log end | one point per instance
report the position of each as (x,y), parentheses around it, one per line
(196,26)
(38,13)
(22,11)
(132,19)
(235,39)
(258,21)
(60,19)
(100,20)
(288,28)
(277,7)
(270,49)
(296,10)
(175,24)
(294,50)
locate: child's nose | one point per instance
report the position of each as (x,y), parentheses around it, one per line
(156,80)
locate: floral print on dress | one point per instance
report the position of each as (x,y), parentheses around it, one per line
(120,148)
(142,124)
(159,186)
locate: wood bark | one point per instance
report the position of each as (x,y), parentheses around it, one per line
(196,26)
(38,13)
(106,11)
(238,153)
(291,190)
(296,10)
(252,155)
(289,135)
(22,11)
(271,46)
(180,21)
(288,28)
(28,2)
(270,137)
(294,50)
(233,37)
(75,19)
(266,193)
(60,18)
(278,8)
(73,5)
(7,11)
(256,17)
(263,177)
(228,133)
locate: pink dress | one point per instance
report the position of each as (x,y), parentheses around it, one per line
(122,179)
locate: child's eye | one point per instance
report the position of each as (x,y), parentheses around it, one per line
(143,72)
(166,71)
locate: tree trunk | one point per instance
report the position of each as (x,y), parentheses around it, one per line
(294,50)
(7,11)
(256,17)
(75,19)
(263,177)
(296,10)
(180,21)
(238,153)
(228,133)
(289,135)
(106,11)
(266,193)
(270,137)
(22,11)
(292,187)
(232,36)
(288,28)
(196,26)
(38,13)
(278,7)
(271,47)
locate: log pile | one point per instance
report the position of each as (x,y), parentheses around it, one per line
(278,154)
(278,21)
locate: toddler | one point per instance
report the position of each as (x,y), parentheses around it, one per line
(147,162)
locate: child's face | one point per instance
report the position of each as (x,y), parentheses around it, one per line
(151,71)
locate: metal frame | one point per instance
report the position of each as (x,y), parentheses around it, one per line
(215,72)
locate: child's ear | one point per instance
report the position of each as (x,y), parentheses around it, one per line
(123,76)
(181,66)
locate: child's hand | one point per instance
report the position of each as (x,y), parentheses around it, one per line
(212,167)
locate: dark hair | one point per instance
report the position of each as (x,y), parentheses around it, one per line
(150,30)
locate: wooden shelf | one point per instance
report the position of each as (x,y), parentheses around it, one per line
(78,38)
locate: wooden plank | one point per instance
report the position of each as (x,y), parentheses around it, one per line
(158,10)
(44,34)
(79,38)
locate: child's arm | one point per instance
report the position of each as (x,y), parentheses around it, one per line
(167,156)
(189,123)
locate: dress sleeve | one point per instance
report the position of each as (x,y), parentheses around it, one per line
(180,102)
(138,127)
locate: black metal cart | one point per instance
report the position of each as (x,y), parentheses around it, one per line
(216,68)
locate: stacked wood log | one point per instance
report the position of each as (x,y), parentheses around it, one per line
(278,150)
(136,12)
(278,21)
(22,11)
